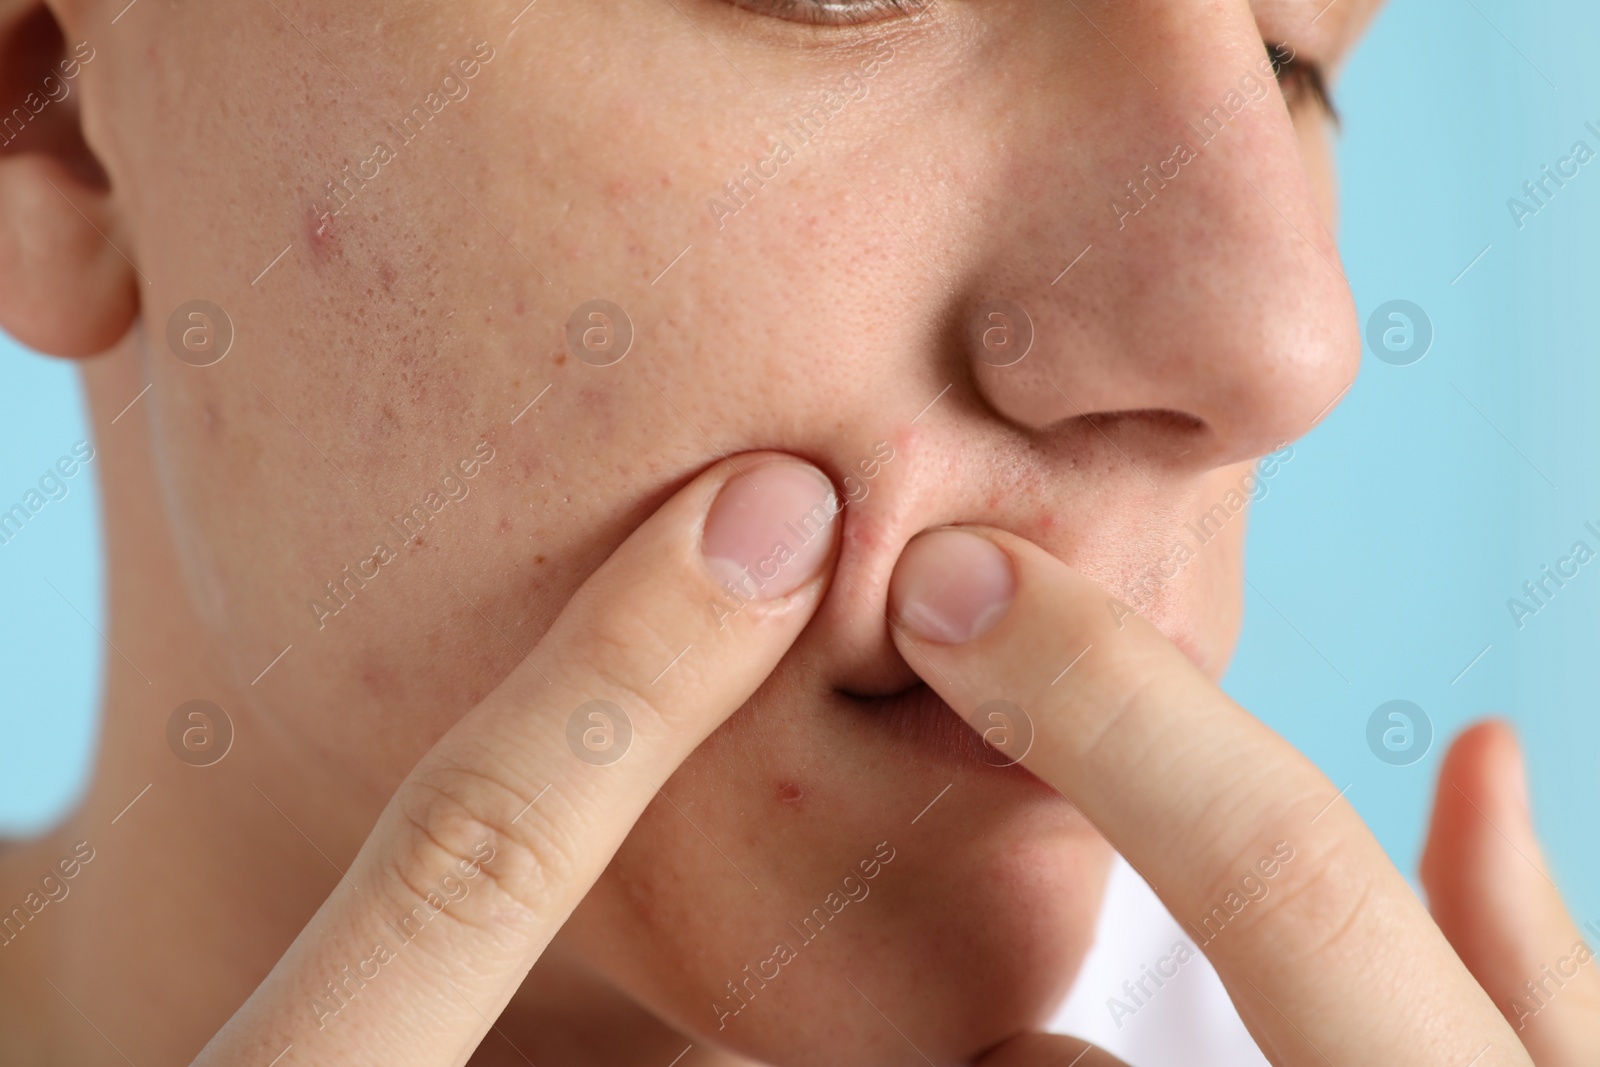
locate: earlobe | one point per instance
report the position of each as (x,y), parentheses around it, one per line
(66,287)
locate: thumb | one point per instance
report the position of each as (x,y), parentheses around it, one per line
(1491,894)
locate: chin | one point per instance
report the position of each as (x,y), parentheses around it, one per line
(846,884)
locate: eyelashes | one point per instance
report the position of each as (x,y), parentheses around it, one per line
(835,12)
(1302,81)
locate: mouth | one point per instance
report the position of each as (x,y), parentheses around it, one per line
(920,720)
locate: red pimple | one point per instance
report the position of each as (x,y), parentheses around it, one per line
(790,792)
(321,233)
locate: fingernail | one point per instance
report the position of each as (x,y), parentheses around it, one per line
(951,586)
(770,529)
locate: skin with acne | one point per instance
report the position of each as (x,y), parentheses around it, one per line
(826,318)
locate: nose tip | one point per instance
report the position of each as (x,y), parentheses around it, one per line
(1240,361)
(1209,289)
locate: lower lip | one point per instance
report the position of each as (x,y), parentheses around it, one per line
(921,720)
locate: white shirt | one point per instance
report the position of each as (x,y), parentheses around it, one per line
(1185,1020)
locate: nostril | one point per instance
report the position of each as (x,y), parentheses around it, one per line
(1158,439)
(1155,422)
(1150,440)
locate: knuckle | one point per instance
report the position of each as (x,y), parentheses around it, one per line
(454,819)
(621,657)
(1315,908)
(1322,913)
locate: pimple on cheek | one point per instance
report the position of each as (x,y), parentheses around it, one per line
(528,466)
(619,190)
(322,239)
(791,793)
(377,677)
(595,402)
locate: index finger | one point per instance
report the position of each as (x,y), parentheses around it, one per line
(1326,951)
(494,838)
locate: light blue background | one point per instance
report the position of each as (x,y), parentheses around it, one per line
(1395,537)
(1382,559)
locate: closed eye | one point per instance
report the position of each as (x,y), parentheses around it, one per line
(835,12)
(1302,81)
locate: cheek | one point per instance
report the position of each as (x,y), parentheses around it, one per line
(211,453)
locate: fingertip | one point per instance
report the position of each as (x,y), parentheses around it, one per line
(1483,772)
(772,527)
(1492,895)
(1463,774)
(1473,878)
(951,585)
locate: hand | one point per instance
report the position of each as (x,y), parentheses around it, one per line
(502,827)
(1489,892)
(1326,951)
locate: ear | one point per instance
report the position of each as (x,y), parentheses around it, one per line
(66,287)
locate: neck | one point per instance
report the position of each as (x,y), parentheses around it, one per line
(199,877)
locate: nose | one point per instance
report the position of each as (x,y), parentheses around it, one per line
(1196,291)
(1143,269)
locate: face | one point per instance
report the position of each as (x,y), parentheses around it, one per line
(828,228)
